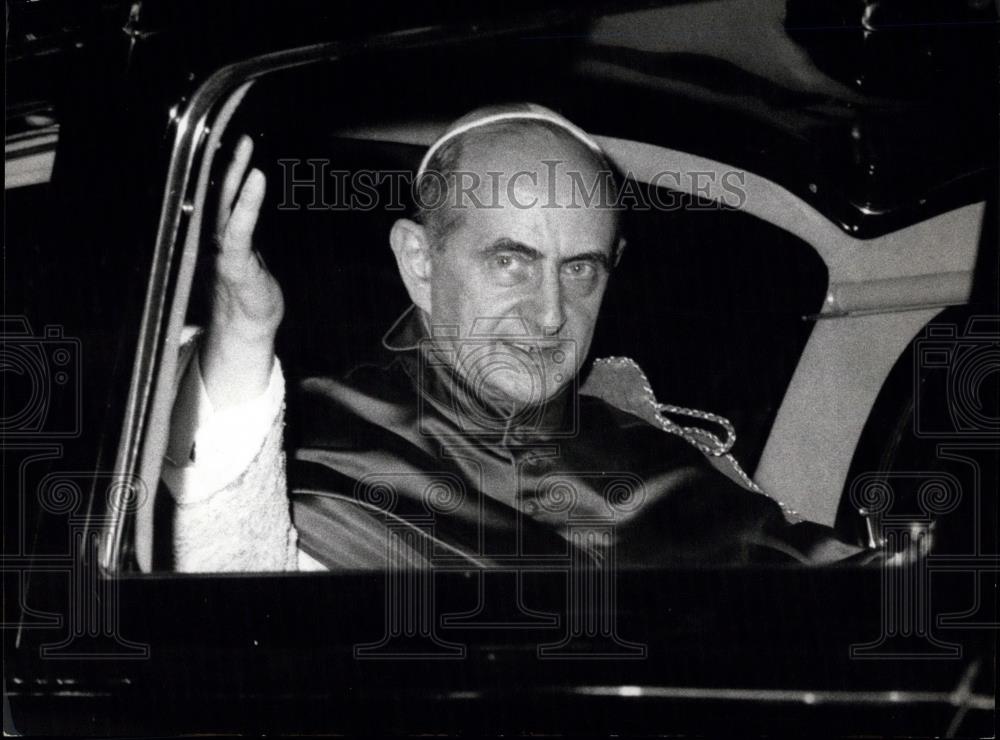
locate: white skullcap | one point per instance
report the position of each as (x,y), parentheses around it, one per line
(509,112)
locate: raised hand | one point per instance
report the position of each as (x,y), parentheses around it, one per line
(247,304)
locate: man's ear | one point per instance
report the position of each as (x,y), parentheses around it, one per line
(412,248)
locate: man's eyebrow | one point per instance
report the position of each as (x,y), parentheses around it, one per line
(600,257)
(509,245)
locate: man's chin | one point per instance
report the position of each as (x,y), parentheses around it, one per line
(525,374)
(522,389)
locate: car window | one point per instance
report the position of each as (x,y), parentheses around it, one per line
(708,301)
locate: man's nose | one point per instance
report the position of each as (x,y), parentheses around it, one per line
(549,311)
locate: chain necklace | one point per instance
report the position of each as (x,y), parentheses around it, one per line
(709,443)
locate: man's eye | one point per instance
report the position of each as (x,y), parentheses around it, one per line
(508,262)
(509,269)
(580,270)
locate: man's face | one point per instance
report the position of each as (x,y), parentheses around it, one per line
(522,281)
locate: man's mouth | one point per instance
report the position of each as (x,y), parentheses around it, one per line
(537,346)
(523,347)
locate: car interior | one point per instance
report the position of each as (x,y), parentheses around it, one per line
(713,303)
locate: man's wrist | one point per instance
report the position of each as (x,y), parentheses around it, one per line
(235,370)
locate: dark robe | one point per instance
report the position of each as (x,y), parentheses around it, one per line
(401,461)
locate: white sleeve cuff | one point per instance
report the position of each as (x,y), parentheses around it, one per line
(210,449)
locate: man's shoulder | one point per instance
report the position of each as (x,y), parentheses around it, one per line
(376,392)
(638,443)
(384,376)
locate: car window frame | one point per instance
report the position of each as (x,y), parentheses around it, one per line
(197,132)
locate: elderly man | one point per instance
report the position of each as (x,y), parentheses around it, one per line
(474,433)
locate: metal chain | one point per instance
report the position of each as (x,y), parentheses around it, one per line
(695,435)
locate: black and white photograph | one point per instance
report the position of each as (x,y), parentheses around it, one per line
(474,368)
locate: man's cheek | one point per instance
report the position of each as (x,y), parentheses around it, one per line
(580,330)
(582,315)
(493,312)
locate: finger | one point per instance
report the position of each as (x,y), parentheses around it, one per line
(231,183)
(238,234)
